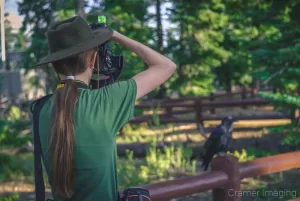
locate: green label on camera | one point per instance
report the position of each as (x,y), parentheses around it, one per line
(101,19)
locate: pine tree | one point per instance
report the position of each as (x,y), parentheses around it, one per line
(196,44)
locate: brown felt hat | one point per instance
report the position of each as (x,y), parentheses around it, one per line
(73,36)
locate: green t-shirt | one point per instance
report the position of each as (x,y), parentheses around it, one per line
(99,114)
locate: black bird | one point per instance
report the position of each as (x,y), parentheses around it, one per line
(218,141)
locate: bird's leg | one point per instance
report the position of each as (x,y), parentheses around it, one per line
(201,129)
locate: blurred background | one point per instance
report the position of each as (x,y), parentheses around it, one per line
(240,57)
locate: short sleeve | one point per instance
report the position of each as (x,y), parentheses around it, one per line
(119,104)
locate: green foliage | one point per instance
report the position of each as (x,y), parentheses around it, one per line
(218,42)
(250,154)
(128,171)
(16,168)
(170,158)
(158,165)
(13,197)
(196,44)
(291,138)
(257,153)
(277,53)
(284,100)
(286,103)
(242,155)
(156,119)
(14,114)
(11,128)
(138,111)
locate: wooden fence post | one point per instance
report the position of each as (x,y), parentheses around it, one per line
(212,98)
(231,190)
(198,109)
(244,95)
(168,112)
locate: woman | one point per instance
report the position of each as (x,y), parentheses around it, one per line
(78,125)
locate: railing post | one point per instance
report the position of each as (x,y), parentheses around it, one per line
(231,191)
(212,98)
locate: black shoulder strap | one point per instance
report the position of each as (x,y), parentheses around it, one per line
(38,169)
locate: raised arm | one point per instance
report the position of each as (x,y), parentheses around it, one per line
(160,68)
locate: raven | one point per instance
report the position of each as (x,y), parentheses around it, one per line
(218,141)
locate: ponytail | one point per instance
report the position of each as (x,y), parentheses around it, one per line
(62,139)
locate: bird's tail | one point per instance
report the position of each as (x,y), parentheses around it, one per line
(206,160)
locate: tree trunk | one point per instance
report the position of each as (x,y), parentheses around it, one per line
(227,80)
(159,28)
(180,71)
(160,47)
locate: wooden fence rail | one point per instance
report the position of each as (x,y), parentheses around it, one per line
(199,106)
(212,97)
(207,104)
(224,178)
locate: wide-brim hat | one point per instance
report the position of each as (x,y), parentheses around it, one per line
(71,37)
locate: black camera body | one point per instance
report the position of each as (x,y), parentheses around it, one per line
(110,65)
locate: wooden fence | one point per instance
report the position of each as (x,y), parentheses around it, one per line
(225,177)
(198,105)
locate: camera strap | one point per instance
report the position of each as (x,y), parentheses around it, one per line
(38,169)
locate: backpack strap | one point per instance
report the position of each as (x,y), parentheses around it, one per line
(35,108)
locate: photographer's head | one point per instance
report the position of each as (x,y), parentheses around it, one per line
(73,53)
(73,43)
(79,66)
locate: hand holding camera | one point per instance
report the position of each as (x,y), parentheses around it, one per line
(111,66)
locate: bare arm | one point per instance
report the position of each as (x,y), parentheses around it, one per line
(160,68)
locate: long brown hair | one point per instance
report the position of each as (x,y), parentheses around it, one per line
(61,140)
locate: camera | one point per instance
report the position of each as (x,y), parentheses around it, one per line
(110,65)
